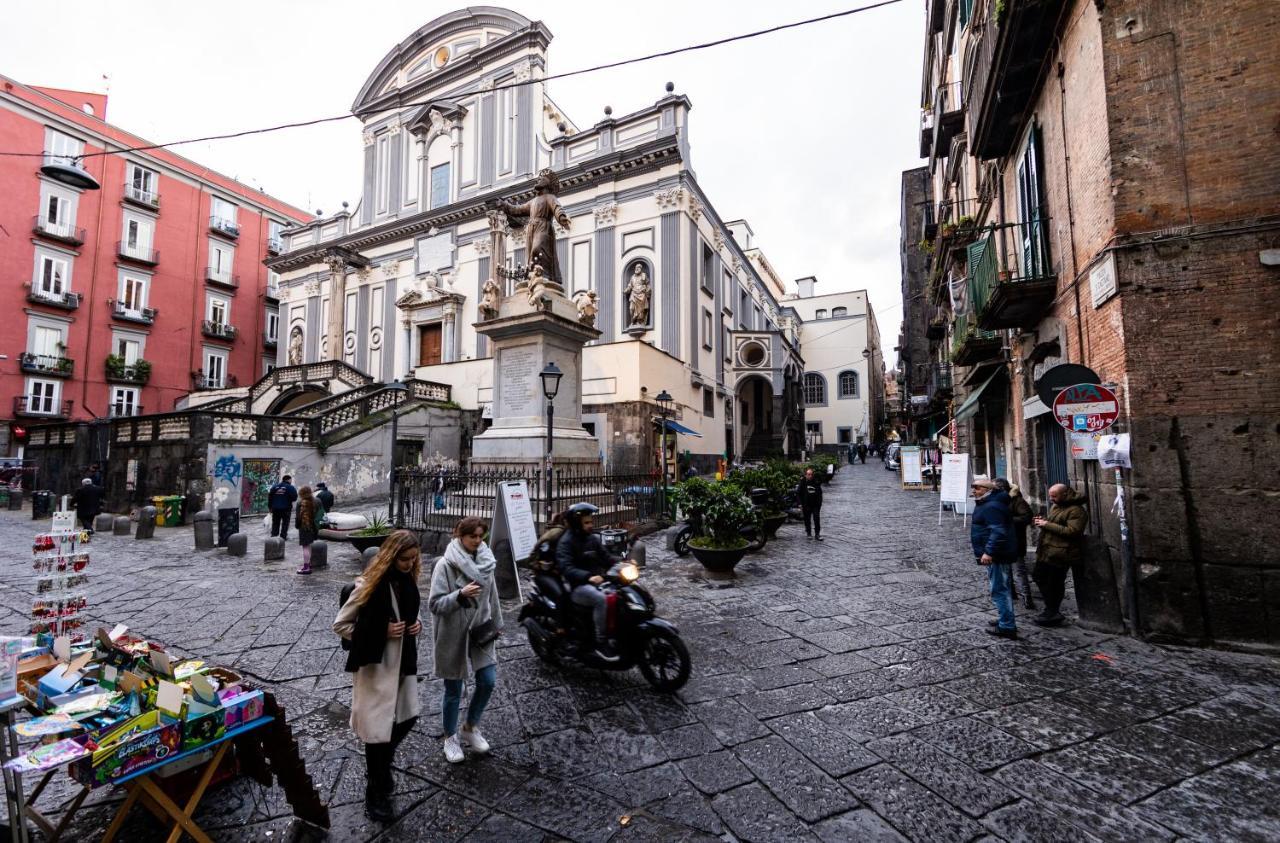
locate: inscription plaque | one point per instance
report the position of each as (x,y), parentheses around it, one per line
(518,386)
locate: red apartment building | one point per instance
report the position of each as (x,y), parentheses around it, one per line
(124,298)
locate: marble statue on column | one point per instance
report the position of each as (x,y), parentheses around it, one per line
(537,216)
(490,296)
(637,292)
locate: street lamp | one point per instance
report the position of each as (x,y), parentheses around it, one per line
(664,400)
(397,387)
(551,376)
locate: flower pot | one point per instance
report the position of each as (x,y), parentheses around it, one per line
(716,560)
(363,543)
(771,524)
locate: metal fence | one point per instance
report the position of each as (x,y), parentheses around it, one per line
(427,499)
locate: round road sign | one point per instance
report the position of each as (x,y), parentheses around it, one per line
(1086,408)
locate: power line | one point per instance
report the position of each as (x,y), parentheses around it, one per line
(608,66)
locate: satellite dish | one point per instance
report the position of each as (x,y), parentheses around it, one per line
(1062,376)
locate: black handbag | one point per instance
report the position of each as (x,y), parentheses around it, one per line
(483,634)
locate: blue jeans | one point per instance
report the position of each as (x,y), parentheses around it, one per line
(486,680)
(1001,595)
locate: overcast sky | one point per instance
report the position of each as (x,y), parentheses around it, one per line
(803,133)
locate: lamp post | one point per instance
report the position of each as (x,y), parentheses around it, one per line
(550,386)
(399,388)
(664,408)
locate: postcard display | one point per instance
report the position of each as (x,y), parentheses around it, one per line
(61,561)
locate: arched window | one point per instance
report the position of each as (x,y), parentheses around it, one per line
(820,313)
(848,384)
(839,311)
(815,389)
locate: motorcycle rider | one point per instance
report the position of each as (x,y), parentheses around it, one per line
(583,561)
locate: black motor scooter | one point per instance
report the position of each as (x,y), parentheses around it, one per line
(559,630)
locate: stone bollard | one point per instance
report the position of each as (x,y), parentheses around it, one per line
(104,522)
(204,530)
(671,535)
(15,499)
(121,526)
(638,554)
(319,554)
(146,523)
(273,549)
(237,544)
(367,556)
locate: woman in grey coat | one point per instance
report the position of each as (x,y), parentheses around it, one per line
(464,607)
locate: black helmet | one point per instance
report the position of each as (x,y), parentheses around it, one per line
(578,510)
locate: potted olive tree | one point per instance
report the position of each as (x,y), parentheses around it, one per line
(718,512)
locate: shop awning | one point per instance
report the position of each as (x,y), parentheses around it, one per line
(676,427)
(969,408)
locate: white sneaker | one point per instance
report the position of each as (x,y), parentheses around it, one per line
(453,750)
(473,740)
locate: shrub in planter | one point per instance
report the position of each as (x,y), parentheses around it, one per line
(717,511)
(774,480)
(373,535)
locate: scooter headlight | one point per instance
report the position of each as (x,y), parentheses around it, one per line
(629,572)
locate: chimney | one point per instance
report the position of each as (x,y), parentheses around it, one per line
(805,286)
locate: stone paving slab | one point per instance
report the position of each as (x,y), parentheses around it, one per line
(841,691)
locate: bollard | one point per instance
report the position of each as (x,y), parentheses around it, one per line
(104,522)
(237,544)
(146,523)
(15,499)
(672,534)
(319,554)
(204,530)
(121,526)
(638,554)
(273,549)
(367,556)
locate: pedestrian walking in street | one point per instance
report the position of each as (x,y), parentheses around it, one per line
(324,496)
(862,452)
(380,619)
(809,493)
(310,516)
(280,498)
(1061,546)
(1020,513)
(466,621)
(991,534)
(95,474)
(87,501)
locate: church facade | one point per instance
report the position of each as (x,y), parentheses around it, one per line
(456,122)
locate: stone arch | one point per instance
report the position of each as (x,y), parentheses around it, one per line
(295,397)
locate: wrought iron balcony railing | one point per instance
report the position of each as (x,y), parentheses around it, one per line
(137,254)
(62,231)
(141,315)
(65,299)
(141,196)
(46,364)
(224,226)
(218,330)
(33,406)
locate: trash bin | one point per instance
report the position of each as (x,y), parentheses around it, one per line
(41,505)
(168,510)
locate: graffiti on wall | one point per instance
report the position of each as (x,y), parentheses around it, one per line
(259,476)
(227,470)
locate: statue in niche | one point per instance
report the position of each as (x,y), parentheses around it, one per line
(637,292)
(536,217)
(295,346)
(588,304)
(490,295)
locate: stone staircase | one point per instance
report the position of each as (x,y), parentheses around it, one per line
(762,444)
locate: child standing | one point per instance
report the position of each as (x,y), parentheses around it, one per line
(310,516)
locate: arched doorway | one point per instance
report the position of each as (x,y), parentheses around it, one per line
(292,399)
(759,433)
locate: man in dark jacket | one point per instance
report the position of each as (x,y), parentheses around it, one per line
(1061,545)
(809,493)
(862,452)
(88,502)
(280,500)
(1020,513)
(583,562)
(991,534)
(325,497)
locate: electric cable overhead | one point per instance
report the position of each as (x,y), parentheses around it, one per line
(567,74)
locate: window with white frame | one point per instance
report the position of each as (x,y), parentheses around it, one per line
(815,389)
(142,184)
(217,310)
(133,294)
(813,427)
(124,401)
(42,396)
(382,169)
(268,366)
(820,313)
(839,311)
(705,278)
(222,211)
(506,127)
(53,276)
(221,256)
(60,148)
(727,294)
(215,368)
(275,235)
(706,329)
(412,169)
(57,213)
(580,264)
(848,383)
(273,325)
(126,348)
(46,341)
(138,235)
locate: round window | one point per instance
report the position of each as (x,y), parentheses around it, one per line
(752,354)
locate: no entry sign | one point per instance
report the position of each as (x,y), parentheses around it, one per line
(1086,408)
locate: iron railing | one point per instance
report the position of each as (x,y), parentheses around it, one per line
(222,277)
(144,315)
(66,300)
(141,195)
(46,364)
(123,411)
(138,372)
(967,330)
(140,254)
(63,231)
(1010,254)
(218,330)
(224,226)
(274,245)
(26,405)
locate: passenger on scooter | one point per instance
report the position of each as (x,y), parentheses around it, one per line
(583,562)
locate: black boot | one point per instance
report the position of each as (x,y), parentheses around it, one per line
(377,804)
(378,783)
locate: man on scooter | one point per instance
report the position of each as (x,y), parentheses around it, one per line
(583,561)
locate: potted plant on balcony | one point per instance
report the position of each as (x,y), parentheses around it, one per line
(717,512)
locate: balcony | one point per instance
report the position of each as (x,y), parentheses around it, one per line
(142,197)
(926,131)
(201,382)
(1012,280)
(41,408)
(274,245)
(1003,59)
(50,365)
(223,226)
(118,371)
(222,278)
(941,381)
(141,315)
(137,254)
(269,341)
(124,411)
(64,300)
(970,344)
(218,330)
(60,231)
(948,116)
(273,292)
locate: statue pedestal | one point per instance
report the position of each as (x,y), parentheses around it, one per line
(525,339)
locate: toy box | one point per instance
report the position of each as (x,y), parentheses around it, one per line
(134,745)
(204,724)
(242,708)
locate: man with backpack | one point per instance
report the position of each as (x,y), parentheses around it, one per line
(280,500)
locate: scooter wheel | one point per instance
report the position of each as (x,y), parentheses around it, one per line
(682,541)
(540,647)
(756,537)
(664,661)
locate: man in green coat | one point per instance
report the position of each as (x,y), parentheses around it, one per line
(1061,545)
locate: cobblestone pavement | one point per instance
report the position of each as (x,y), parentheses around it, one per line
(841,691)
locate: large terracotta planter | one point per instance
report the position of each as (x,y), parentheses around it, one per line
(716,560)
